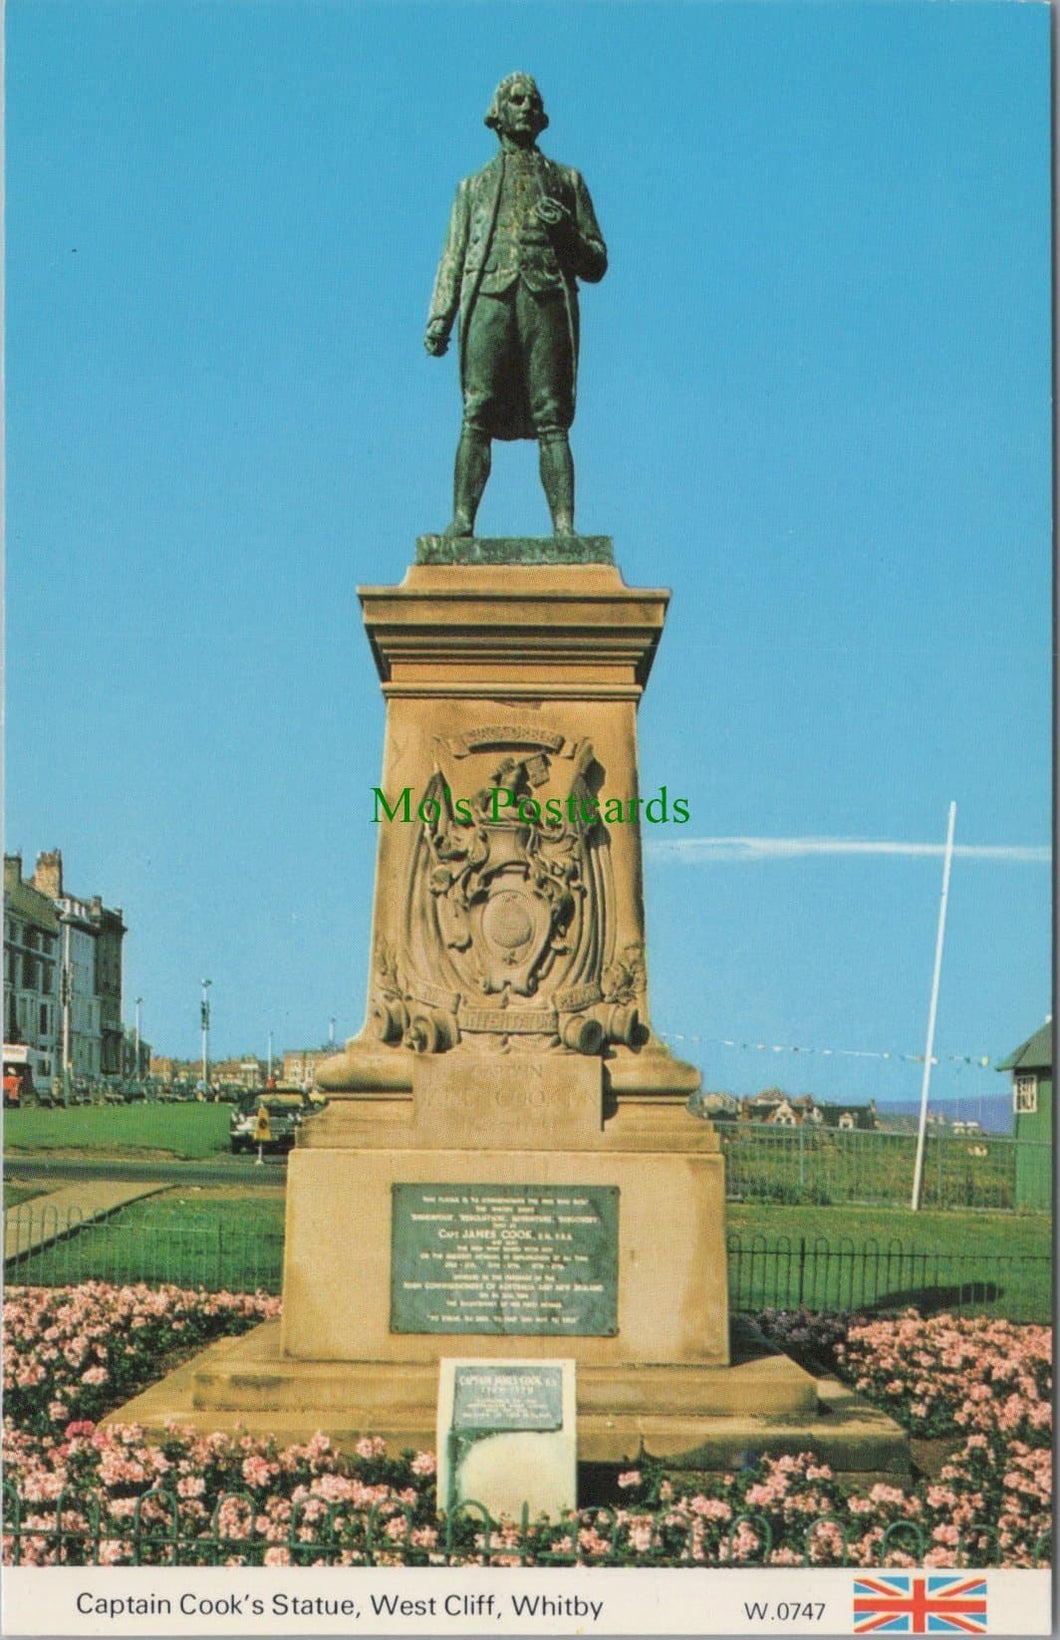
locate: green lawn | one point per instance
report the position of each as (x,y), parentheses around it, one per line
(15,1193)
(194,1237)
(794,1165)
(192,1131)
(831,1258)
(1021,1234)
(847,1258)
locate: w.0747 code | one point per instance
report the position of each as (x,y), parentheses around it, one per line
(784,1611)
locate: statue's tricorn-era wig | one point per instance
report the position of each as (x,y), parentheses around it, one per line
(493,113)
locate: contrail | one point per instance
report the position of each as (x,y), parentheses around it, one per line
(716,850)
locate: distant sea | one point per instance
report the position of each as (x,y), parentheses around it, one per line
(993,1111)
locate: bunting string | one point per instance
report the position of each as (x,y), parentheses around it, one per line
(979,1061)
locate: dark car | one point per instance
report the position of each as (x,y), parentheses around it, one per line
(285,1115)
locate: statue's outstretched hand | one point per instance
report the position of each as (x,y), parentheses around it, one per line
(436,341)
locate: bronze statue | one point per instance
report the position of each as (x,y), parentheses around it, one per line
(521,234)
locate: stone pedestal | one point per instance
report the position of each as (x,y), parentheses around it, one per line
(508,1043)
(506,1168)
(525,681)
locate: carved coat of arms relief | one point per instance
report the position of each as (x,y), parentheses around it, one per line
(507,938)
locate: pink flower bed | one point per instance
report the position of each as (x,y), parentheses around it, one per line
(234,1501)
(986,1380)
(953,1374)
(74,1352)
(940,1376)
(250,1501)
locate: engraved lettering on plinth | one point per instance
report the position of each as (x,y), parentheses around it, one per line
(504,1396)
(540,1102)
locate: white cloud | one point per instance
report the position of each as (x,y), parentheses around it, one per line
(717,850)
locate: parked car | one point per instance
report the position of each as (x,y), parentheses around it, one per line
(285,1117)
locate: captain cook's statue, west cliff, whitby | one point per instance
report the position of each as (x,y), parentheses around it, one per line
(521,234)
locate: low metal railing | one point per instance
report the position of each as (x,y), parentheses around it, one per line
(70,1531)
(155,1246)
(814,1273)
(832,1167)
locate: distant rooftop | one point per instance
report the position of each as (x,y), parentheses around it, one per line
(1036,1054)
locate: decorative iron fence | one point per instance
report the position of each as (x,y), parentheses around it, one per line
(794,1272)
(49,1249)
(830,1167)
(774,1272)
(69,1531)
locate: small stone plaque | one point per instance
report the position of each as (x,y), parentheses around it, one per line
(507,1435)
(502,1396)
(537,1259)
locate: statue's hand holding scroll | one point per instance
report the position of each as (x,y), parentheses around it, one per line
(552,212)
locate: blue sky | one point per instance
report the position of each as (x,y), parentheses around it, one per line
(814,401)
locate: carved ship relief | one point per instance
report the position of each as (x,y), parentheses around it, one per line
(508,924)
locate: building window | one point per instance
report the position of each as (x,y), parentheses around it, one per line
(43,1030)
(1025,1095)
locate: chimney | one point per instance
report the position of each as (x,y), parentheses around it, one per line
(12,871)
(48,877)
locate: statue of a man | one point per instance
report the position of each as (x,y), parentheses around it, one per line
(521,234)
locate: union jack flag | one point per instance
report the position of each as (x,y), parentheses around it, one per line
(919,1603)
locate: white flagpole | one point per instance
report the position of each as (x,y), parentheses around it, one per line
(918,1171)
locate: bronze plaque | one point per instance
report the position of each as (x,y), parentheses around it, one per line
(536,1259)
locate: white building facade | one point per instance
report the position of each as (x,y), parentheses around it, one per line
(32,961)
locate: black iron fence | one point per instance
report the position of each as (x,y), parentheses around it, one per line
(832,1166)
(69,1530)
(792,1272)
(46,1248)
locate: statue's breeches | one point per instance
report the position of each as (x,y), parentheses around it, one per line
(519,364)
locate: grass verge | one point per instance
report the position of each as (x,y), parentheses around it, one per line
(192,1131)
(15,1194)
(825,1258)
(889,1258)
(220,1240)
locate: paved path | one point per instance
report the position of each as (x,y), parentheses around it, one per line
(240,1170)
(35,1223)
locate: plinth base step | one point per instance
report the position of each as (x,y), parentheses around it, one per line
(695,1418)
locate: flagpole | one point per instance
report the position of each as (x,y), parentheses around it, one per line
(918,1171)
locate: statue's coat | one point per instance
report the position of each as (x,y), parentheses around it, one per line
(580,253)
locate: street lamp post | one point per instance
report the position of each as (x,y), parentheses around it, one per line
(136,1071)
(205,1036)
(64,982)
(270,1057)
